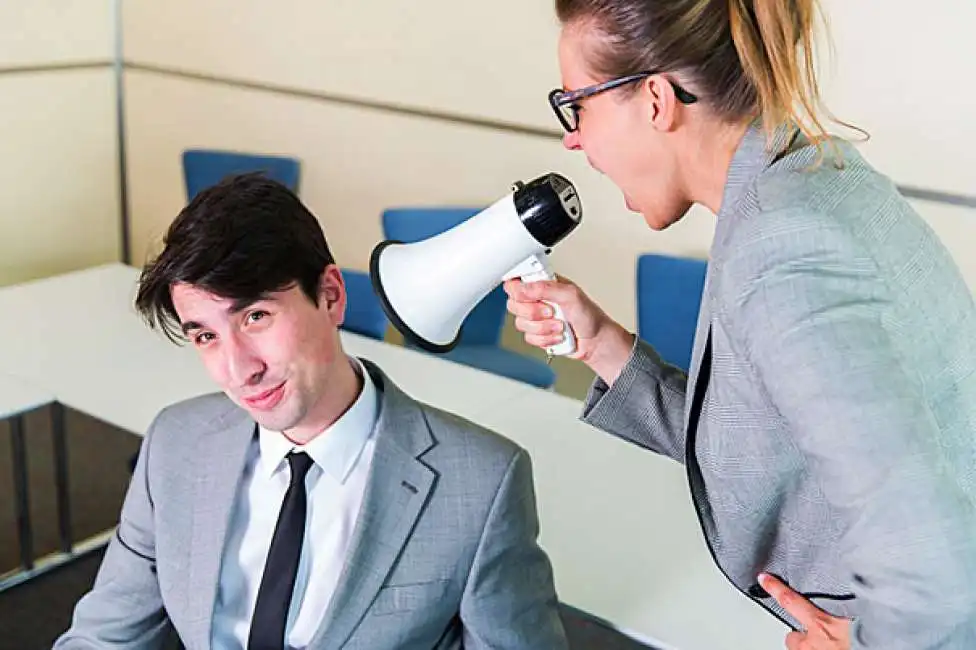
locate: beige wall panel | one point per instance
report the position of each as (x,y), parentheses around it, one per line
(486,59)
(59,207)
(903,73)
(35,32)
(356,162)
(899,72)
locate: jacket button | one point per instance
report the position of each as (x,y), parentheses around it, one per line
(756,591)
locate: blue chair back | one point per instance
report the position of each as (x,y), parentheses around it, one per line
(364,313)
(669,292)
(203,168)
(484,324)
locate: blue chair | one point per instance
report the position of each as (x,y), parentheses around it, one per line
(669,292)
(479,343)
(203,168)
(364,313)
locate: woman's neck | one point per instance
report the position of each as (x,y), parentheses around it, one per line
(708,156)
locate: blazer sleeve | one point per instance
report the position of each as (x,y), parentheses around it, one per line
(509,600)
(124,609)
(645,405)
(812,320)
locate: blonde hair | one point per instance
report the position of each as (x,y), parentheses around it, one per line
(745,59)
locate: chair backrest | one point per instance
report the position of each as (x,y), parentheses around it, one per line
(203,168)
(669,292)
(484,324)
(364,313)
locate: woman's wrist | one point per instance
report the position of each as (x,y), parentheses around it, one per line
(612,349)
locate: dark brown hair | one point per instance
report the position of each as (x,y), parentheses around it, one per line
(743,58)
(240,239)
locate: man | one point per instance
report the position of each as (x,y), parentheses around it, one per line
(312,504)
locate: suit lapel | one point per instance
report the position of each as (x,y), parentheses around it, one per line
(218,466)
(701,335)
(397,489)
(751,158)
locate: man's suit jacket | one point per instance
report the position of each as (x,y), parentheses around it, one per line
(828,420)
(444,552)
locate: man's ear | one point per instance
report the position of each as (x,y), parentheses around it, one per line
(661,102)
(332,293)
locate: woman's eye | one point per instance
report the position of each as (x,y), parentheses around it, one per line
(255,316)
(204,338)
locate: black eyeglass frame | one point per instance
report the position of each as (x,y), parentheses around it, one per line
(559,97)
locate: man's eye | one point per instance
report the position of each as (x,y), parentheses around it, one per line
(255,316)
(203,338)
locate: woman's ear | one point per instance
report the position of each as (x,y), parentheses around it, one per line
(661,101)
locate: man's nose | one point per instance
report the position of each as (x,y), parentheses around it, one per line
(244,367)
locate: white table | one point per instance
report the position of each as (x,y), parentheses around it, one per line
(617,521)
(84,341)
(621,529)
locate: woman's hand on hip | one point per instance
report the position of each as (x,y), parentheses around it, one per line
(821,631)
(601,342)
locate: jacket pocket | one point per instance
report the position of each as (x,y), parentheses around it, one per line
(818,595)
(396,599)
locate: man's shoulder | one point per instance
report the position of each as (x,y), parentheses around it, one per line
(462,445)
(451,429)
(195,413)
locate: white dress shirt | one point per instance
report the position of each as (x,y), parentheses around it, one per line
(342,456)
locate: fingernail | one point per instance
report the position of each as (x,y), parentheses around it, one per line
(546,312)
(763,579)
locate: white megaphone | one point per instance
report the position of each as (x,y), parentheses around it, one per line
(428,288)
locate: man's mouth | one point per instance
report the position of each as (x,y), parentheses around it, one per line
(265,400)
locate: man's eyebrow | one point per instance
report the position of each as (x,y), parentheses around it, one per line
(241,304)
(190,326)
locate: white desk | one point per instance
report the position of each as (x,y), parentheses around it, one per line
(19,395)
(79,335)
(620,527)
(617,521)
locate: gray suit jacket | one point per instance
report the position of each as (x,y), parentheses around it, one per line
(444,552)
(833,438)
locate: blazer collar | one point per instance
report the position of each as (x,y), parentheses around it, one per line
(754,155)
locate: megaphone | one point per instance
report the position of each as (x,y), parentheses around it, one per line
(428,288)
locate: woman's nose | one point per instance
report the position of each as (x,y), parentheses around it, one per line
(571,141)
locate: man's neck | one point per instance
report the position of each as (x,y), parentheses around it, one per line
(344,389)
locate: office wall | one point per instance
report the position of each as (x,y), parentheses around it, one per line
(391,103)
(59,206)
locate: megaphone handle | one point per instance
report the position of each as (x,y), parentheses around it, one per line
(568,344)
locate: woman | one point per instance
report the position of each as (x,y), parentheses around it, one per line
(828,420)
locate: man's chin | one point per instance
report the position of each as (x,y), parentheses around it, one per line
(272,421)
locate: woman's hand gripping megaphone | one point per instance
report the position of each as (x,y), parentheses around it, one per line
(536,306)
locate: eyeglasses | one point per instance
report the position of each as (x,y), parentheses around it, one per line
(565,103)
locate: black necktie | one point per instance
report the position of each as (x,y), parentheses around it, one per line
(278,581)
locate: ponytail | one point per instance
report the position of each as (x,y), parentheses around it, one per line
(775,43)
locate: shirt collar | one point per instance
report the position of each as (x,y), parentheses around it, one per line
(337,449)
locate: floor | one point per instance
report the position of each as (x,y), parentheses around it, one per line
(34,614)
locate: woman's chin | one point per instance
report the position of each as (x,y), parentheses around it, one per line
(630,204)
